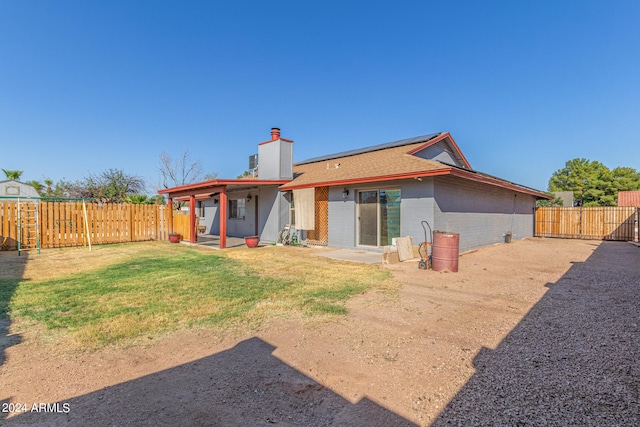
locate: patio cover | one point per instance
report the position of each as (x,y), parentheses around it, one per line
(206,189)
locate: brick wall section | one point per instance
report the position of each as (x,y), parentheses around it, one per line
(481,214)
(417,205)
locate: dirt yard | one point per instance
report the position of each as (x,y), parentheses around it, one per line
(414,360)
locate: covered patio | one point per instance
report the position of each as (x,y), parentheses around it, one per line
(220,189)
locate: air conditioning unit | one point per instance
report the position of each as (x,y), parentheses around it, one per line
(253,161)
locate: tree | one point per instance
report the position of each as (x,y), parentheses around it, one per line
(111,186)
(114,185)
(181,171)
(137,199)
(143,199)
(592,183)
(157,200)
(556,201)
(12,174)
(37,185)
(244,174)
(62,189)
(48,190)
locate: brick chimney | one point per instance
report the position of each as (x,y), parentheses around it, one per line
(275,133)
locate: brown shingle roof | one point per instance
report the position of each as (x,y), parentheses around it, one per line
(390,163)
(385,165)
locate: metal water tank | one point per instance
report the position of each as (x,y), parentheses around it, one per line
(446,250)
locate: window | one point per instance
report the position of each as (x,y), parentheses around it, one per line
(236,209)
(200,209)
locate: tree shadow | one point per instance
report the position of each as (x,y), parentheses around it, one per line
(243,386)
(572,360)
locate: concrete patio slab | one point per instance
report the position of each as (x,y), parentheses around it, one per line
(213,242)
(354,255)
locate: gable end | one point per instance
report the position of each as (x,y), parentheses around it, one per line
(443,150)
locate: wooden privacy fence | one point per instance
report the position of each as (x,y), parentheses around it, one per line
(56,224)
(600,223)
(181,224)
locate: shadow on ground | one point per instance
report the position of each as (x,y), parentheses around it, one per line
(242,386)
(572,360)
(11,271)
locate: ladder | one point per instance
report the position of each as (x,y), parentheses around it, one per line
(28,226)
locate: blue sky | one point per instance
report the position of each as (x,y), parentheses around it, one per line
(522,86)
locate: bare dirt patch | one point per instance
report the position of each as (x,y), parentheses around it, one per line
(390,361)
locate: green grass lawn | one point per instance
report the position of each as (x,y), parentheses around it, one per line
(163,287)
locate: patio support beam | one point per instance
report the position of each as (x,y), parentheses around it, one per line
(193,238)
(170,206)
(223,218)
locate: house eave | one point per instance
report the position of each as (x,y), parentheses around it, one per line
(488,179)
(461,173)
(369,179)
(217,185)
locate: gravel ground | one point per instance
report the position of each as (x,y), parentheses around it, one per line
(536,332)
(572,360)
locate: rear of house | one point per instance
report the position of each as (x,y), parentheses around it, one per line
(365,197)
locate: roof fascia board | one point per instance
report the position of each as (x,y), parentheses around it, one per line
(196,192)
(411,175)
(445,135)
(473,176)
(208,185)
(455,146)
(187,197)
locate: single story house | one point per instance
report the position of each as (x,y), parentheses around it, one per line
(364,198)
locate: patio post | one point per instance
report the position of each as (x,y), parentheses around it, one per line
(170,214)
(193,238)
(223,218)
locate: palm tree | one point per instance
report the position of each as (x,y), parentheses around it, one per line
(48,182)
(12,174)
(137,199)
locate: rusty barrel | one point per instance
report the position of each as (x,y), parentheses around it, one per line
(446,250)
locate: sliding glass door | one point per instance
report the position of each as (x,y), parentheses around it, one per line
(368,216)
(378,217)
